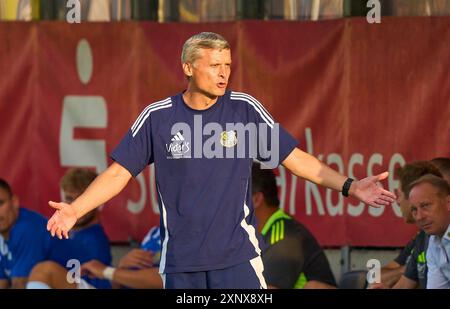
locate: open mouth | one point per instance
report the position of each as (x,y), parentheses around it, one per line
(222,85)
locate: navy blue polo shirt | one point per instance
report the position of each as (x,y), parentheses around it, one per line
(203,162)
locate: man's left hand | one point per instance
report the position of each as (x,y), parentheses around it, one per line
(369,191)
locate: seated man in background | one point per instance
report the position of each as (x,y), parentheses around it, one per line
(393,271)
(138,269)
(87,241)
(293,258)
(416,269)
(430,205)
(23,242)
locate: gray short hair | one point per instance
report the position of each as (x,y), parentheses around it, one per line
(437,182)
(208,40)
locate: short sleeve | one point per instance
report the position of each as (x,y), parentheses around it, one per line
(135,151)
(436,279)
(411,267)
(283,262)
(274,142)
(152,243)
(416,266)
(403,256)
(318,268)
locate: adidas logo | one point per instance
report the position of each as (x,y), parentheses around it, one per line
(178,137)
(178,147)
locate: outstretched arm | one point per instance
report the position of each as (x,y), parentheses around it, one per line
(310,168)
(107,185)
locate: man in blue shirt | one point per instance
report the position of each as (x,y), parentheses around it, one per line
(86,242)
(202,142)
(22,243)
(430,205)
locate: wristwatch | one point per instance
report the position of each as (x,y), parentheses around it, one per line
(346,186)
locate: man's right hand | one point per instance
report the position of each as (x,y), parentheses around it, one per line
(62,220)
(137,258)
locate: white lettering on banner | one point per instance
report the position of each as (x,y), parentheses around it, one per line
(85,62)
(138,207)
(82,112)
(312,192)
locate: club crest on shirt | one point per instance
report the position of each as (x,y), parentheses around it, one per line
(228,138)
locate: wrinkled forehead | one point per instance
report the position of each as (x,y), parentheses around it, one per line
(223,54)
(422,193)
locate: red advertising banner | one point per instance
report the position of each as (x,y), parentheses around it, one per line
(364,98)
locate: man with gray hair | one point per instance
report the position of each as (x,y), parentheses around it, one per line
(408,270)
(430,205)
(203,173)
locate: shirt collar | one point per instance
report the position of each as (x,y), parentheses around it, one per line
(447,233)
(276,215)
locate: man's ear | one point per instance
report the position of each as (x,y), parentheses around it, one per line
(187,69)
(15,201)
(257,199)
